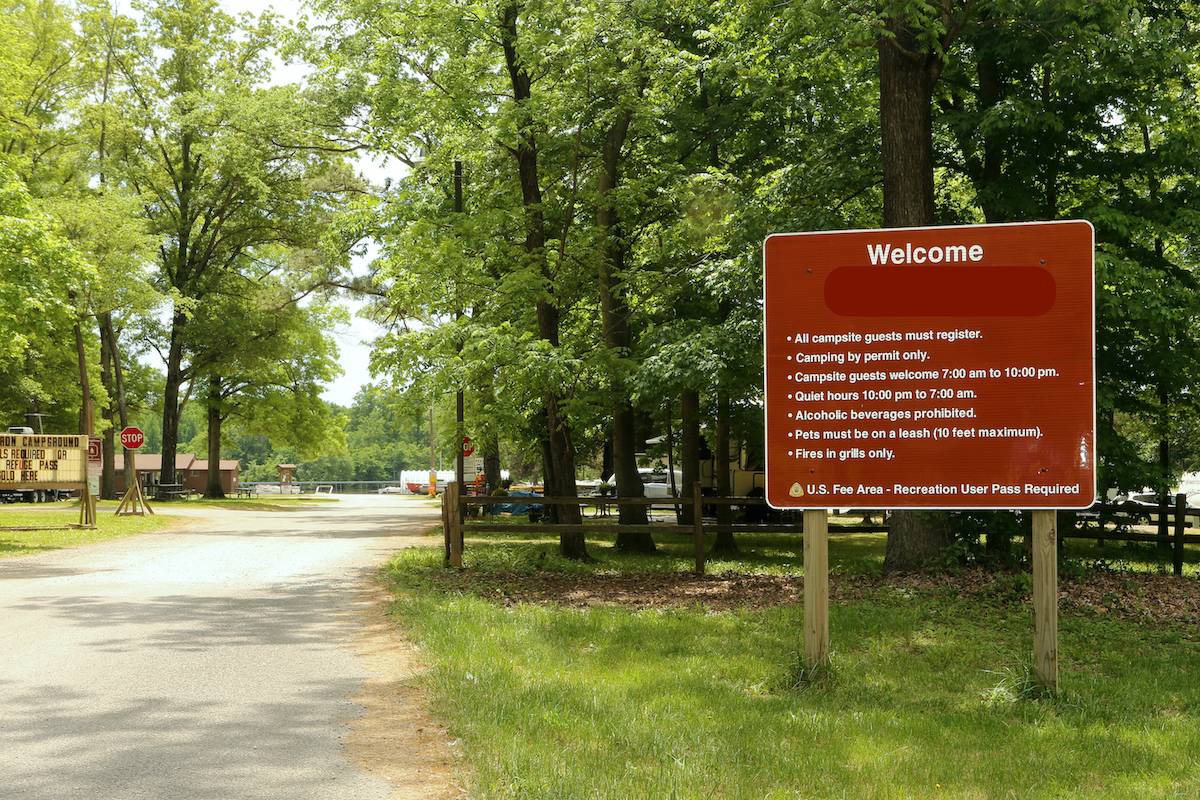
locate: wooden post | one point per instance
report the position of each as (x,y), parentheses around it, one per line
(1180,521)
(1045,598)
(455,514)
(816,588)
(87,507)
(698,527)
(134,501)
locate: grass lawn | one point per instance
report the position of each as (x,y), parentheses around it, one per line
(20,543)
(622,687)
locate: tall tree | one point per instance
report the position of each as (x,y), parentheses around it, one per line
(912,50)
(226,165)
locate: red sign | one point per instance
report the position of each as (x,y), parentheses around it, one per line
(947,367)
(132,438)
(468,447)
(95,454)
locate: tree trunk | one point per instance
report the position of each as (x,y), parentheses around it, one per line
(606,458)
(491,462)
(915,538)
(110,340)
(108,488)
(560,477)
(906,127)
(170,419)
(689,457)
(614,314)
(213,488)
(725,544)
(86,414)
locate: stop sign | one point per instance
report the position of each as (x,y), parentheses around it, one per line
(132,438)
(468,447)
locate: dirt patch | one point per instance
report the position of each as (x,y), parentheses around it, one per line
(395,738)
(1125,595)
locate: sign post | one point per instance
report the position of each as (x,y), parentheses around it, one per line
(134,502)
(934,368)
(95,466)
(1045,598)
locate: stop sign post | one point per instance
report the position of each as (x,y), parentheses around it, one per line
(134,502)
(132,438)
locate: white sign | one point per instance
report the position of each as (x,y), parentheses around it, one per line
(42,462)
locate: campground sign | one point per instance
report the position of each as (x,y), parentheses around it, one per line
(43,462)
(944,367)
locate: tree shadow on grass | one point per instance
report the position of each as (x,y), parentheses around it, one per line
(17,547)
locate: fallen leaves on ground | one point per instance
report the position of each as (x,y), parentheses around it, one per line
(1124,595)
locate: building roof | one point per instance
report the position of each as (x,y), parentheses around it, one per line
(152,462)
(227,465)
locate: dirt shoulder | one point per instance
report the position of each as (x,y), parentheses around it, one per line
(395,738)
(1125,595)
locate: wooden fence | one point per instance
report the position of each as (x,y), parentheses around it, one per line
(1171,520)
(456,521)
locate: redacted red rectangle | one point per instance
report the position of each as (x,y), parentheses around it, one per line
(913,291)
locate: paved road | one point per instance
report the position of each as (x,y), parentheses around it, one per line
(216,662)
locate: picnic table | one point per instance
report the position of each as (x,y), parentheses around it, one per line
(247,492)
(170,491)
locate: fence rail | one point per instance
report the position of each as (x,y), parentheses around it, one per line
(455,521)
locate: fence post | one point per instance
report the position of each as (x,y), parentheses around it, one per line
(698,527)
(1045,598)
(816,588)
(456,534)
(1180,521)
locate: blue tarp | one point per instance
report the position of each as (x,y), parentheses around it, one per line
(517,508)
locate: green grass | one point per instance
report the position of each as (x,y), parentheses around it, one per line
(928,696)
(19,543)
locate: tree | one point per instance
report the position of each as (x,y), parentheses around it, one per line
(265,359)
(37,267)
(912,49)
(226,165)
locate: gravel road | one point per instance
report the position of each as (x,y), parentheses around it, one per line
(215,662)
